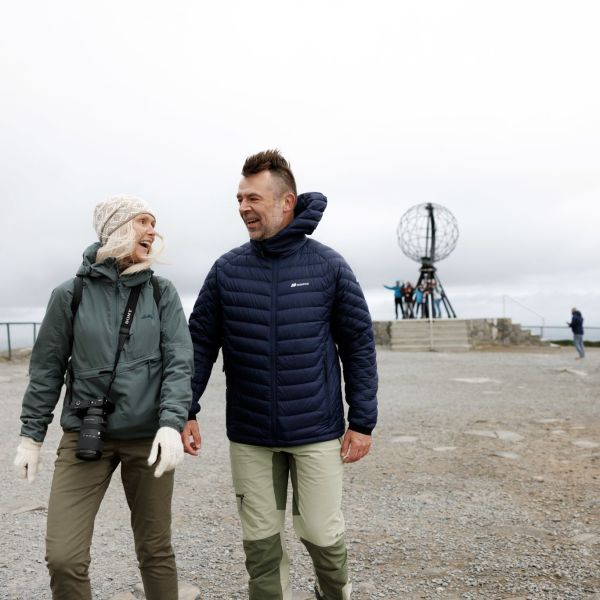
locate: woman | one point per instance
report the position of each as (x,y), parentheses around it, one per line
(149,394)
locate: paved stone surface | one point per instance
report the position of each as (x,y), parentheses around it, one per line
(404,439)
(444,448)
(509,455)
(474,380)
(482,433)
(421,524)
(509,436)
(586,444)
(575,372)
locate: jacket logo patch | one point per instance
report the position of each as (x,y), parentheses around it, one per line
(299,284)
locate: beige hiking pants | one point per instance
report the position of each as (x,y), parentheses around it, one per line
(260,478)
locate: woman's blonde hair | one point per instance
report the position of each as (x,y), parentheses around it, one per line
(120,245)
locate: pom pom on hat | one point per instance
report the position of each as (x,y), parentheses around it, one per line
(115,212)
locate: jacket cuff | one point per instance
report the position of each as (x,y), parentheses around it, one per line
(171,422)
(192,416)
(363,430)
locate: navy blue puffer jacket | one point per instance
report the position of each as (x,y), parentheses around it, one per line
(576,323)
(285,310)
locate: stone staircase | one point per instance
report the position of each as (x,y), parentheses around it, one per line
(441,335)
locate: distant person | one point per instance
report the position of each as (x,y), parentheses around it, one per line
(127,400)
(419,301)
(407,296)
(288,315)
(397,289)
(576,325)
(436,297)
(427,301)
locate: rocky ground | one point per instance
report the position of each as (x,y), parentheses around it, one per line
(483,483)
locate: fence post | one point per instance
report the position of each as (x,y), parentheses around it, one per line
(8,338)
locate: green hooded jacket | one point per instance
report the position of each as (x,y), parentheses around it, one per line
(152,387)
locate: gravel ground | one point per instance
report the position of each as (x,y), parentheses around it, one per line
(483,483)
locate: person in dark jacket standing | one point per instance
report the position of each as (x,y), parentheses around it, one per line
(407,293)
(285,310)
(576,326)
(148,385)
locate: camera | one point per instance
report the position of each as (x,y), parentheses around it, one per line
(93,415)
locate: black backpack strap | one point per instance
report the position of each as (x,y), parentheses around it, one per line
(75,300)
(155,289)
(77,292)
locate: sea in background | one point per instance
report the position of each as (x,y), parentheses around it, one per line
(550,312)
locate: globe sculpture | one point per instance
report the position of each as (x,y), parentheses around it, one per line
(428,233)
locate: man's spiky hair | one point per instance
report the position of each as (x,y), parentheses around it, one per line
(271,160)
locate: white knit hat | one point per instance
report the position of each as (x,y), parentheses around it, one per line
(116,211)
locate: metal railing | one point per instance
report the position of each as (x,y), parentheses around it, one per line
(566,328)
(6,325)
(505,298)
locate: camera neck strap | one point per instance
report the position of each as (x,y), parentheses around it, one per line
(126,321)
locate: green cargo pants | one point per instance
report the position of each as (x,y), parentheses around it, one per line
(260,478)
(77,491)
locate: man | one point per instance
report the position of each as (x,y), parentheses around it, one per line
(397,289)
(285,309)
(576,326)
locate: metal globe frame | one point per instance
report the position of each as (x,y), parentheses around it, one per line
(428,233)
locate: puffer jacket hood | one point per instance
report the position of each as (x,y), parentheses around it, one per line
(307,214)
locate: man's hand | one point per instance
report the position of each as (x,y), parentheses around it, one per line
(354,446)
(191,438)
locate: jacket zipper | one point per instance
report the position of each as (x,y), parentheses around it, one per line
(274,348)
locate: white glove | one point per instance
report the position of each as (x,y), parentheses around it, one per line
(171,450)
(28,459)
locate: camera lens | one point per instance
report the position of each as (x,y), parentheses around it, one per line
(91,434)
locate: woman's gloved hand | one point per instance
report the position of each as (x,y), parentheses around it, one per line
(168,440)
(28,459)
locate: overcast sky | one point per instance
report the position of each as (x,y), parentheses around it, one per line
(490,109)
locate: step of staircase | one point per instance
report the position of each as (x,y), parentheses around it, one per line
(441,335)
(440,332)
(453,335)
(428,348)
(420,323)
